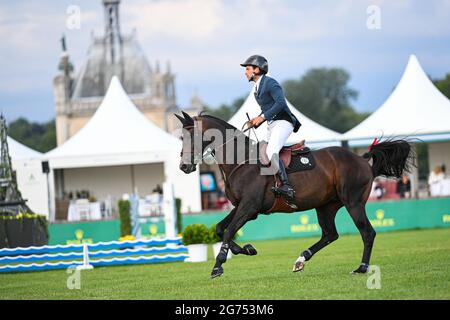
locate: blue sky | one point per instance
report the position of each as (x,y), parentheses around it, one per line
(205,40)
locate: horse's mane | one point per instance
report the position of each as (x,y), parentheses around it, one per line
(222,122)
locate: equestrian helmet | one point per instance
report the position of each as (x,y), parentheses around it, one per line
(257,61)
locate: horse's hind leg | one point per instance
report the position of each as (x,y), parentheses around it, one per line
(359,216)
(234,247)
(325,216)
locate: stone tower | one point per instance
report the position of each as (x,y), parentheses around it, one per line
(62,85)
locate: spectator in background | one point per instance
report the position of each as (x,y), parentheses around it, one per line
(445,190)
(222,201)
(158,189)
(404,187)
(435,181)
(379,189)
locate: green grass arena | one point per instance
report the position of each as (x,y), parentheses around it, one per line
(414,265)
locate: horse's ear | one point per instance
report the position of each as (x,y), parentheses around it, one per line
(188,118)
(182,120)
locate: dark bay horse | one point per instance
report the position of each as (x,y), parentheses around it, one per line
(340,178)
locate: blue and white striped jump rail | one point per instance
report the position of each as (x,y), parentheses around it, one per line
(94,246)
(128,254)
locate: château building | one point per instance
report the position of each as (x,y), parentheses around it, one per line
(150,87)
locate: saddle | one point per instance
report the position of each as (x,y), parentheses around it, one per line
(296,157)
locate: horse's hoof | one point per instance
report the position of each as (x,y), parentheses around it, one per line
(250,250)
(298,266)
(361,270)
(216,272)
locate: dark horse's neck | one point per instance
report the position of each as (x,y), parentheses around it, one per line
(229,144)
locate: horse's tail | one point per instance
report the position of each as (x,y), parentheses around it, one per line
(391,157)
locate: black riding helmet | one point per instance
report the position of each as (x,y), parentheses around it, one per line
(257,61)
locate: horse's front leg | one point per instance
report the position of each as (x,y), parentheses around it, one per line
(248,249)
(243,214)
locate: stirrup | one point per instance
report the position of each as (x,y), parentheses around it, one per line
(289,194)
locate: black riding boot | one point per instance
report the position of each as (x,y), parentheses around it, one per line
(286,189)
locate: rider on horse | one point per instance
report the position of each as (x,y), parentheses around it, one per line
(281,121)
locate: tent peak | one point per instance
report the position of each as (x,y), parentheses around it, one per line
(413,68)
(413,57)
(414,108)
(115,80)
(115,84)
(117,127)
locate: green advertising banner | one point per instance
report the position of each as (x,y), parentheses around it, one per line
(84,232)
(383,215)
(153,227)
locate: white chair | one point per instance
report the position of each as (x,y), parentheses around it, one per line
(82,209)
(155,200)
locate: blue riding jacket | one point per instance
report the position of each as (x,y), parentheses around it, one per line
(270,98)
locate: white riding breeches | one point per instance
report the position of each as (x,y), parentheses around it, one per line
(278,132)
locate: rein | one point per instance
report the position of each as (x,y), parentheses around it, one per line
(212,152)
(217,147)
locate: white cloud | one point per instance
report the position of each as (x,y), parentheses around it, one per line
(206,39)
(30,49)
(293,35)
(404,18)
(186,19)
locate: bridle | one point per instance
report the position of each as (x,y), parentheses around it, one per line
(216,147)
(212,153)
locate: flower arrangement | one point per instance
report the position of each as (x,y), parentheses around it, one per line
(196,234)
(127,238)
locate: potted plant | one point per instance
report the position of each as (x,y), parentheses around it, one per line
(216,242)
(196,237)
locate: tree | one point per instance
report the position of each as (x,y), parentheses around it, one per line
(443,85)
(323,95)
(40,137)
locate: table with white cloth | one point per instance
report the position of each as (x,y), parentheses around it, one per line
(84,211)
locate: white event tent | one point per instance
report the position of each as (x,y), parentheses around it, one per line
(415,108)
(31,180)
(19,151)
(120,151)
